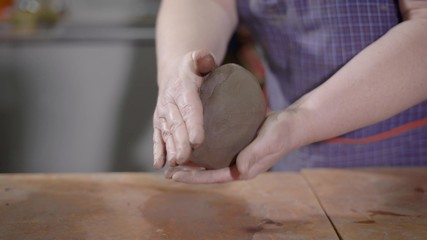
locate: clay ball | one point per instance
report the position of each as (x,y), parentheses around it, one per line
(233,110)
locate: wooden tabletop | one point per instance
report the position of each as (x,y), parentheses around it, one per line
(313,204)
(372,203)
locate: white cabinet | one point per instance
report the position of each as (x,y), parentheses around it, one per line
(77,106)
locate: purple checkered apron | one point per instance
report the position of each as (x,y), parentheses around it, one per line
(304,43)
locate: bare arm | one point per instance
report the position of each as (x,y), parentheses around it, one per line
(384,79)
(188,33)
(187,25)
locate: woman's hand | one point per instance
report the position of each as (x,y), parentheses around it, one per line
(178,118)
(277,136)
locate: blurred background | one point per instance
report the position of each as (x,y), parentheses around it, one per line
(78,84)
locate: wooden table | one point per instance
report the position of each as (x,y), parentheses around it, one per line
(373,203)
(313,204)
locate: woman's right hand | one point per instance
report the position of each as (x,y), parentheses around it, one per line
(178,117)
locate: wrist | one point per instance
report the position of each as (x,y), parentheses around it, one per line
(297,118)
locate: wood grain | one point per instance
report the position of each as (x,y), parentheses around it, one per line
(374,203)
(146,206)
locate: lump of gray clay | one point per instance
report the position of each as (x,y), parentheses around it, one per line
(233,110)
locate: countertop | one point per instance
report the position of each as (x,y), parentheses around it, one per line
(312,204)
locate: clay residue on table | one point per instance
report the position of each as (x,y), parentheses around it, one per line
(386,213)
(47,213)
(186,214)
(148,207)
(419,190)
(365,221)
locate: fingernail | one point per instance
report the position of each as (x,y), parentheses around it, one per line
(171,160)
(175,176)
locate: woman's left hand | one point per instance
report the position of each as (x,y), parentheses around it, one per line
(276,137)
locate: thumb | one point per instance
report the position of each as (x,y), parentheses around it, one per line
(204,61)
(260,155)
(246,158)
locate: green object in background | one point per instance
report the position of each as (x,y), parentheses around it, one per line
(30,15)
(23,21)
(23,17)
(47,16)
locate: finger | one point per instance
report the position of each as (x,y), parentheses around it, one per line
(245,159)
(190,105)
(207,176)
(158,149)
(191,109)
(257,157)
(178,129)
(248,157)
(168,139)
(204,62)
(172,170)
(184,168)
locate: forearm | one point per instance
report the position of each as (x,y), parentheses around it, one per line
(384,79)
(186,25)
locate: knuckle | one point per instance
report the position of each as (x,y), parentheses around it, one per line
(186,109)
(156,136)
(159,113)
(156,116)
(174,126)
(166,134)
